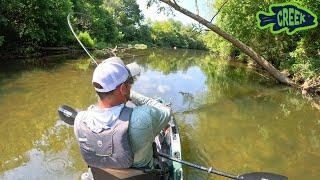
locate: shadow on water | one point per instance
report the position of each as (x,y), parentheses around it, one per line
(14,68)
(229,116)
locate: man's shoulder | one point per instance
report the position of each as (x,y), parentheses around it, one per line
(77,120)
(80,117)
(83,114)
(141,116)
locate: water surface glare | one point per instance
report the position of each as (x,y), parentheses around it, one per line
(230,117)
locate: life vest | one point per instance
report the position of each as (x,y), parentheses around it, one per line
(109,148)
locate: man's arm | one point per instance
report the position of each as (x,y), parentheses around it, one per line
(160,113)
(140,99)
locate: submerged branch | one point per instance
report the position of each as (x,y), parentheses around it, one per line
(311,86)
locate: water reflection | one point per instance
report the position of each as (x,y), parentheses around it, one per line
(229,116)
(40,164)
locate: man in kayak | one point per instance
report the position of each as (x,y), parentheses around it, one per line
(110,134)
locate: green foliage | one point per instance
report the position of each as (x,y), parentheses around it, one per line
(298,53)
(101,45)
(86,39)
(127,17)
(217,44)
(28,25)
(96,20)
(35,22)
(1,40)
(304,59)
(144,34)
(174,34)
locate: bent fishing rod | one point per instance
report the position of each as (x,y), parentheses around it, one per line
(75,35)
(68,115)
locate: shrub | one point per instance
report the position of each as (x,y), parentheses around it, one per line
(102,45)
(86,39)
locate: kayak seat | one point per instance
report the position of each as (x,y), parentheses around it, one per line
(128,174)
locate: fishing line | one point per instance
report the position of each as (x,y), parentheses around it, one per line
(75,35)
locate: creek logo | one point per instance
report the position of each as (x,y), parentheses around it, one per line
(289,17)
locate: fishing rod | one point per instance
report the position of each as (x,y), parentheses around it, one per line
(247,176)
(196,166)
(75,35)
(68,114)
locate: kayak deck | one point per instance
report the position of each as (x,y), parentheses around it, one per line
(170,144)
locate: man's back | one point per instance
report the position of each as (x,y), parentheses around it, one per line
(147,120)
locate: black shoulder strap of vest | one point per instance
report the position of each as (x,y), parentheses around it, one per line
(125,114)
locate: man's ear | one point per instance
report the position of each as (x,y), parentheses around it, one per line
(123,88)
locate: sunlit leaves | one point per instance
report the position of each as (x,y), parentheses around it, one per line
(298,53)
(174,34)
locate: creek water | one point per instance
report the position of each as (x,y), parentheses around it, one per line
(230,117)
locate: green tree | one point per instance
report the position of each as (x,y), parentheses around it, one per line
(35,22)
(95,19)
(128,17)
(297,53)
(144,34)
(174,34)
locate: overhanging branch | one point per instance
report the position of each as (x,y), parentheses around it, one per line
(246,49)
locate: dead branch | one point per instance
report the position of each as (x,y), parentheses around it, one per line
(218,10)
(175,2)
(311,86)
(111,51)
(197,7)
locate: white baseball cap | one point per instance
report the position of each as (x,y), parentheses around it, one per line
(111,72)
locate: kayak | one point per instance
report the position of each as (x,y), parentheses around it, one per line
(167,142)
(167,159)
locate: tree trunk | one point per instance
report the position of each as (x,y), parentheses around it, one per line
(247,50)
